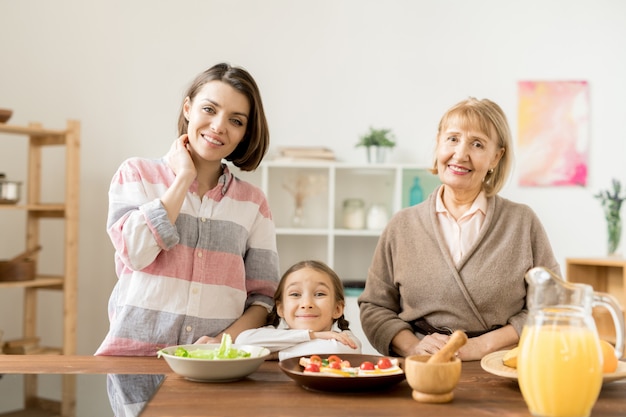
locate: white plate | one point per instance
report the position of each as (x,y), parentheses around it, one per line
(215,370)
(492,363)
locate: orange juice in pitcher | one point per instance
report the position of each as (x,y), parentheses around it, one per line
(560,359)
(559,370)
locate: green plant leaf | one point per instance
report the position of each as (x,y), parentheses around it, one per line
(377,137)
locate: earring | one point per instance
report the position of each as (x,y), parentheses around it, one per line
(490,171)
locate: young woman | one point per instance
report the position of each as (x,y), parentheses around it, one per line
(195,247)
(307,317)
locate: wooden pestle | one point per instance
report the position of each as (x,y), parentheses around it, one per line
(447,352)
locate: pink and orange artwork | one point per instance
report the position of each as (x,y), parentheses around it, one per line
(553,133)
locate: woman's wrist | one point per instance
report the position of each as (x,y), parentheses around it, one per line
(405,343)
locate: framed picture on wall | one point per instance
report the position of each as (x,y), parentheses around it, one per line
(553,133)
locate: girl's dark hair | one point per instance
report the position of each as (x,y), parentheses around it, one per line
(248,154)
(274,319)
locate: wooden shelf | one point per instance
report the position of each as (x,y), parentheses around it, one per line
(38,282)
(36,210)
(41,350)
(31,412)
(57,209)
(34,131)
(607,275)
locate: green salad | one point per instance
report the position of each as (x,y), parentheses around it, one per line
(224,351)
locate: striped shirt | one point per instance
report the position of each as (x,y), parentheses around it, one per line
(179,282)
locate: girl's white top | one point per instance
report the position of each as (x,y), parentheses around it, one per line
(291,343)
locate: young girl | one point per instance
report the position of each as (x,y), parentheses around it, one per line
(307,317)
(195,247)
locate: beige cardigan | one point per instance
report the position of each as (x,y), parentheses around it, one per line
(412,274)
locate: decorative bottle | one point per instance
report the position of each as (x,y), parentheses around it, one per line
(416,195)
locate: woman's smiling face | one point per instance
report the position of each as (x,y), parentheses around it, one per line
(308,301)
(465,155)
(218,119)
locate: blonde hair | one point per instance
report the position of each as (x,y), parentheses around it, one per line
(485,116)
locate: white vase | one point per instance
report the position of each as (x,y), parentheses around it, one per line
(376,154)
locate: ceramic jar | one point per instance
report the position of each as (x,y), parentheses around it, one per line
(353,213)
(377,217)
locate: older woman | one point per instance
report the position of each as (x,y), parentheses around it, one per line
(457,260)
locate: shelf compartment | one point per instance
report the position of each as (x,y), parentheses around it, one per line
(607,275)
(295,248)
(312,183)
(371,184)
(353,256)
(428,182)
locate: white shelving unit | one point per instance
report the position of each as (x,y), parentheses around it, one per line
(322,235)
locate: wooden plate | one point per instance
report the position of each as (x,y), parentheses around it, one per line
(492,363)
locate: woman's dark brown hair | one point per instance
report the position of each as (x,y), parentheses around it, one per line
(274,319)
(248,154)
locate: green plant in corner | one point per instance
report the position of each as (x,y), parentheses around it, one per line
(612,204)
(377,137)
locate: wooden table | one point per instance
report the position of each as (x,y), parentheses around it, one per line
(269,392)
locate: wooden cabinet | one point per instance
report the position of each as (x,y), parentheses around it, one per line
(37,211)
(606,275)
(319,231)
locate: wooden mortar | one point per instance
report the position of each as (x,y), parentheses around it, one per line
(434,377)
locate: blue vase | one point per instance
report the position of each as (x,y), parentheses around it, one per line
(416,194)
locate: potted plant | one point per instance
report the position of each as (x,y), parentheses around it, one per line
(612,203)
(376,143)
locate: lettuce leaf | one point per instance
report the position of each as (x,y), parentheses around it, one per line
(224,351)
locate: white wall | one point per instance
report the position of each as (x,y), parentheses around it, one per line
(328,69)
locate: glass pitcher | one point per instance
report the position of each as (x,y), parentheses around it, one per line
(560,358)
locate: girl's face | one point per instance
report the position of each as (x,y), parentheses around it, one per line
(464,157)
(218,118)
(308,301)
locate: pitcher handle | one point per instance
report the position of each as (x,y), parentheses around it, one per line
(610,303)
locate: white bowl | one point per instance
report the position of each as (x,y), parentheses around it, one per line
(215,370)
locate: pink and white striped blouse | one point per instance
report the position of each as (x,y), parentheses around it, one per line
(196,277)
